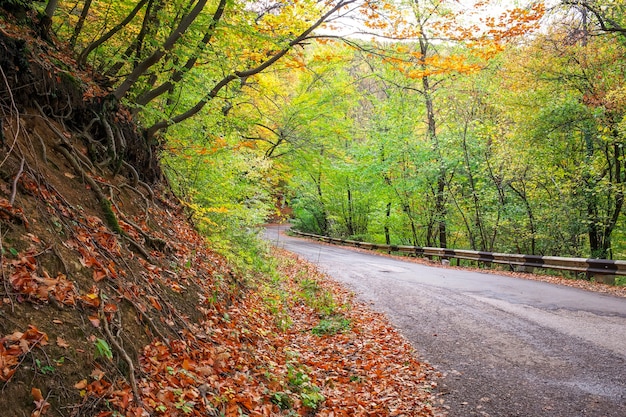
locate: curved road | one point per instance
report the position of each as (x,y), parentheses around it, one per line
(506,346)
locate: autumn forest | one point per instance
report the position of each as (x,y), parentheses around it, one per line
(144,143)
(431,123)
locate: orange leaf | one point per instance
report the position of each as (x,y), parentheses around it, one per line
(95,321)
(155,303)
(97,374)
(188,365)
(110,308)
(36,393)
(82,384)
(99,274)
(62,343)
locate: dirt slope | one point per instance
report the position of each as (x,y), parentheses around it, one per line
(111,304)
(87,285)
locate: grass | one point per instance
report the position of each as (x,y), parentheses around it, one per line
(331,325)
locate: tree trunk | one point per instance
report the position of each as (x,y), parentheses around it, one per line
(156,56)
(521,193)
(179,74)
(149,27)
(386,227)
(79,25)
(82,58)
(440,199)
(350,217)
(46,20)
(427,92)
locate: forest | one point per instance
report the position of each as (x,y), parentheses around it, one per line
(144,143)
(439,123)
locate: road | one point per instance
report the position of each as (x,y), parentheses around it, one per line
(506,346)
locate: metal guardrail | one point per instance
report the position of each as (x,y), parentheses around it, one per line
(589,266)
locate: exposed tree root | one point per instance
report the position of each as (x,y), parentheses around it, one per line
(44,154)
(138,248)
(147,187)
(133,171)
(143,316)
(139,193)
(105,203)
(15,181)
(123,354)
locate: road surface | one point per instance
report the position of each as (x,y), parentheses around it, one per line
(506,346)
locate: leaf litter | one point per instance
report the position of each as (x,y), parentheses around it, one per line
(201,339)
(242,354)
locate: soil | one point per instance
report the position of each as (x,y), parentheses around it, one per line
(85,286)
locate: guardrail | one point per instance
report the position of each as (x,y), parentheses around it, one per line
(592,267)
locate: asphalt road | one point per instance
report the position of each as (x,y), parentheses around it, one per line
(506,346)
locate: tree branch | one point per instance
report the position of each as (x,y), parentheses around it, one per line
(245,73)
(83,55)
(179,74)
(160,52)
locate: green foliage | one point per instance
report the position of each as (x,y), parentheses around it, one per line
(44,369)
(103,350)
(525,155)
(530,152)
(330,325)
(299,385)
(300,382)
(275,297)
(282,400)
(318,298)
(226,188)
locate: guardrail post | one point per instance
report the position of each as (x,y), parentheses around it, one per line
(603,278)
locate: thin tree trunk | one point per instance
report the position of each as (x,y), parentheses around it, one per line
(323,221)
(82,58)
(51,8)
(386,227)
(476,201)
(46,20)
(156,56)
(81,22)
(427,91)
(149,26)
(179,74)
(531,216)
(440,203)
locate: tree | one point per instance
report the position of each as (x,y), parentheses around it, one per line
(581,78)
(609,15)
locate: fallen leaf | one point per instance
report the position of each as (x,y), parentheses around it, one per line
(36,393)
(62,343)
(110,308)
(95,321)
(82,384)
(97,374)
